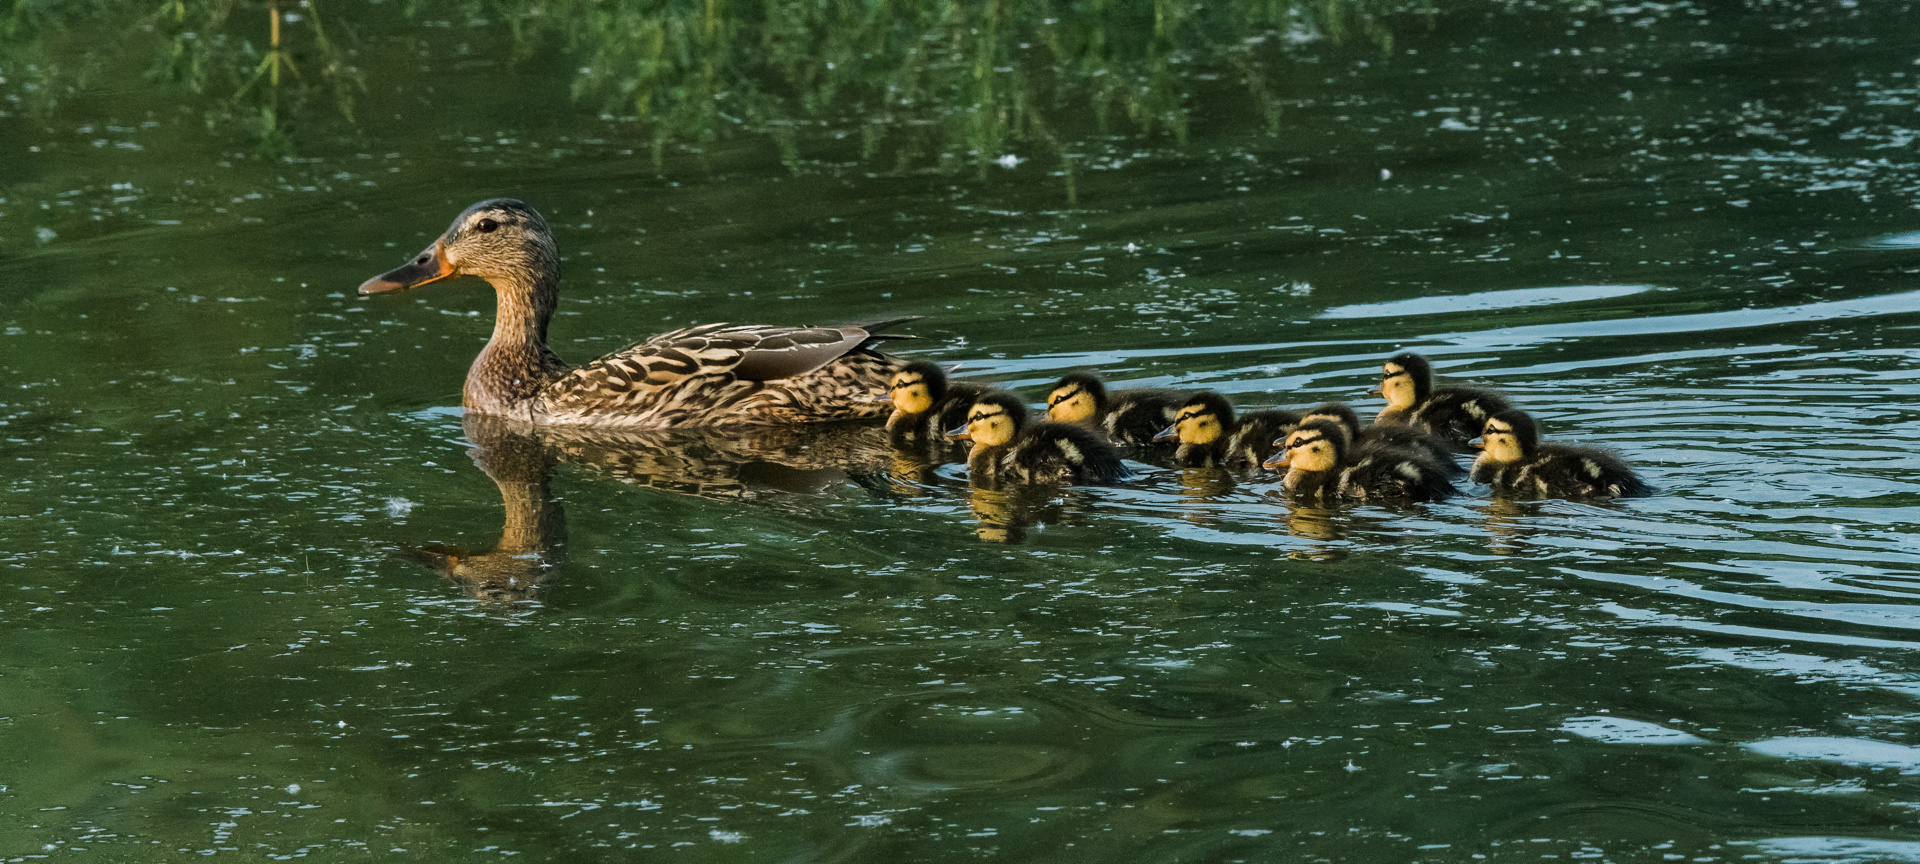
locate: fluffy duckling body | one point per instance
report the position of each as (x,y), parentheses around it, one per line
(1322,469)
(1513,460)
(926,405)
(1391,435)
(1005,447)
(1211,436)
(1127,416)
(1453,413)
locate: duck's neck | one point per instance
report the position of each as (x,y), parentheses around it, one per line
(516,363)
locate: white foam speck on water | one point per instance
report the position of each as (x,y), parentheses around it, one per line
(1619,730)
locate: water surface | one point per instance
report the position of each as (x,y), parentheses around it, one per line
(1681,231)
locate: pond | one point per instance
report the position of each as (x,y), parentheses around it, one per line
(235,489)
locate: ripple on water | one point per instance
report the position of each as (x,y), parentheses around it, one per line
(1484,301)
(976,767)
(1857,752)
(1841,850)
(1620,730)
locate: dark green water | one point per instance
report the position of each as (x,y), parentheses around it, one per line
(1681,230)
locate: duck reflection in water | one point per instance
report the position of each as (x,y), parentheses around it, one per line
(532,539)
(728,463)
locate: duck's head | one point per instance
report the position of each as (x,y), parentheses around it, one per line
(1406,380)
(1204,418)
(1078,398)
(1318,445)
(1339,414)
(502,241)
(1509,436)
(993,421)
(917,387)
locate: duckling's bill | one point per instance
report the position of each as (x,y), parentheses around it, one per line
(1169,433)
(428,266)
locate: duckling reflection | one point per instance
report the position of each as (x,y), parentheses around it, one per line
(1510,523)
(1322,525)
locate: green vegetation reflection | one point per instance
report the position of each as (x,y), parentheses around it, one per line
(927,82)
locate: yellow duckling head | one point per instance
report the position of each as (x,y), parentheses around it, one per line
(993,421)
(1203,420)
(1318,445)
(1509,436)
(1406,381)
(1078,398)
(917,387)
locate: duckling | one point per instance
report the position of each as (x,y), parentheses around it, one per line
(707,375)
(1006,448)
(1391,435)
(1453,413)
(1513,460)
(1319,469)
(1211,436)
(926,404)
(1127,416)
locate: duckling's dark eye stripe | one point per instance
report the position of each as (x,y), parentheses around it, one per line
(1302,442)
(1064,397)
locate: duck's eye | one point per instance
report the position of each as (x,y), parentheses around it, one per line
(486,226)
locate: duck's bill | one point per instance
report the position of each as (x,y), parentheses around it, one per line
(428,266)
(1276,461)
(1478,443)
(1377,391)
(959,433)
(1168,434)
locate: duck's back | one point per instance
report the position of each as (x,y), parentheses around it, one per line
(1407,438)
(1458,413)
(723,375)
(1135,416)
(1254,436)
(1061,453)
(1396,475)
(1562,471)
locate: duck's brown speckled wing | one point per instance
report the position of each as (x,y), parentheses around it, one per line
(721,374)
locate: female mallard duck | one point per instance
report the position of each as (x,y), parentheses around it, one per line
(1006,448)
(1376,436)
(1319,469)
(1127,416)
(926,404)
(709,375)
(1453,413)
(1513,460)
(1211,436)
